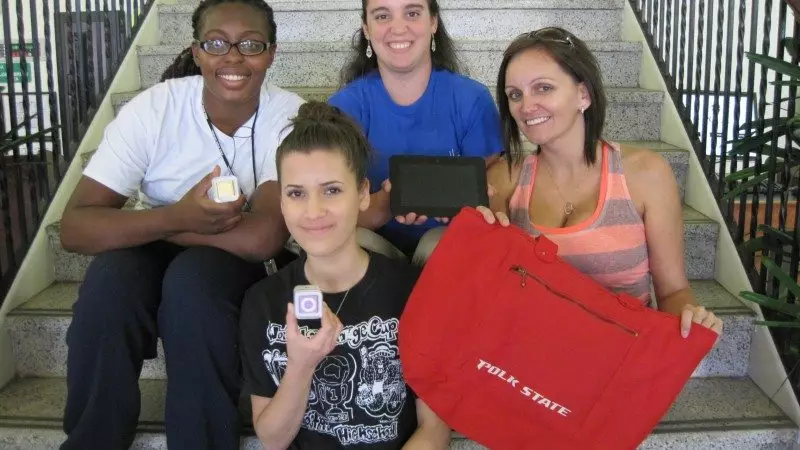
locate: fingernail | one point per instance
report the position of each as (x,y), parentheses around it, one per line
(684,333)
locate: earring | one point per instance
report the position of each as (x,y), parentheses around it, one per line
(581,109)
(369,50)
(433,43)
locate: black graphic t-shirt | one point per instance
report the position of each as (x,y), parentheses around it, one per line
(358,397)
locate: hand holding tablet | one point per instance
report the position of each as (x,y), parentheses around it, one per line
(436,186)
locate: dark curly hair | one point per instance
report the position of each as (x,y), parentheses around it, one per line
(184,64)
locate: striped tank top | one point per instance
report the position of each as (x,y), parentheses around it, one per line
(610,246)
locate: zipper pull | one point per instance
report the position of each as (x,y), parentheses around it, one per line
(521,272)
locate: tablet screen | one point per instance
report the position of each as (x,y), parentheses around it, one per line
(437,186)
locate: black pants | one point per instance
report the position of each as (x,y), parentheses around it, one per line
(131,297)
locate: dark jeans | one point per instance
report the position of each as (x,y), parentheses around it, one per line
(131,297)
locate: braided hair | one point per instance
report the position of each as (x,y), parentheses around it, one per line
(184,64)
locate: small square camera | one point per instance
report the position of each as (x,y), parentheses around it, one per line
(224,189)
(307,302)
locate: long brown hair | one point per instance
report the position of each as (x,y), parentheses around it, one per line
(574,58)
(445,56)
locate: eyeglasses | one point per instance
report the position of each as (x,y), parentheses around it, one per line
(219,47)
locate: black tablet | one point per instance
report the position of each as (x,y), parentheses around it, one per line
(436,186)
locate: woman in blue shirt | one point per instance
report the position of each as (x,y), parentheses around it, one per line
(403,86)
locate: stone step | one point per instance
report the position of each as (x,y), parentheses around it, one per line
(632,114)
(38,331)
(304,20)
(319,63)
(717,413)
(677,158)
(700,234)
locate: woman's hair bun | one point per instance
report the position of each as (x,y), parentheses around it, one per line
(316,111)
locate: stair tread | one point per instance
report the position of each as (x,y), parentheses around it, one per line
(690,216)
(188,6)
(57,299)
(498,45)
(704,403)
(614,94)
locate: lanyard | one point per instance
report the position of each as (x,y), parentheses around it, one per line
(225,158)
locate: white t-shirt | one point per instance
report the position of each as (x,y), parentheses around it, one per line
(161,143)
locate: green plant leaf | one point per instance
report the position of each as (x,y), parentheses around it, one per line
(782,236)
(784,278)
(772,303)
(792,46)
(9,146)
(745,186)
(753,245)
(778,65)
(761,123)
(774,324)
(751,171)
(783,100)
(750,143)
(13,132)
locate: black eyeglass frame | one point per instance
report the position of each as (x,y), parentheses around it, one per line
(203,45)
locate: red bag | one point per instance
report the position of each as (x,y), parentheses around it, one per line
(515,348)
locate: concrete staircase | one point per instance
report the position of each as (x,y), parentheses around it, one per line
(720,407)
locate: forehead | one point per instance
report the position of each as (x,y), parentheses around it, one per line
(234,18)
(318,163)
(533,63)
(395,4)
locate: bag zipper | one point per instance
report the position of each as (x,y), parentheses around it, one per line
(524,274)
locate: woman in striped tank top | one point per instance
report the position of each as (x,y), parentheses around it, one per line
(614,212)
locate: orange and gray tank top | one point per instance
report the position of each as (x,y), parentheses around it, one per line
(610,246)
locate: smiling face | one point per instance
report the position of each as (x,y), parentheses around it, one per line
(400,32)
(321,200)
(233,77)
(544,100)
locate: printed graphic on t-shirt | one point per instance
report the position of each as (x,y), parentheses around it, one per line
(363,385)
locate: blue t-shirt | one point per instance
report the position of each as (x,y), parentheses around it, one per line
(455,116)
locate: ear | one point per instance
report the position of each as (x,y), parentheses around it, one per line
(584,98)
(363,195)
(365,30)
(195,53)
(434,24)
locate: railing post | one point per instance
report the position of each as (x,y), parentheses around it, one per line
(83,49)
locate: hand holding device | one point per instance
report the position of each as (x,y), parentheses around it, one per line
(436,186)
(308,303)
(225,189)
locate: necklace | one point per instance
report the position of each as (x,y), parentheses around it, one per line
(344,299)
(569,207)
(347,292)
(225,158)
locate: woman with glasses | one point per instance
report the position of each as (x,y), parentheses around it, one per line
(178,268)
(614,212)
(403,86)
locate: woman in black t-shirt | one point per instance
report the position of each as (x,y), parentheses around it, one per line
(335,382)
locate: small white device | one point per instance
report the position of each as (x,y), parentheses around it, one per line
(307,302)
(224,189)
